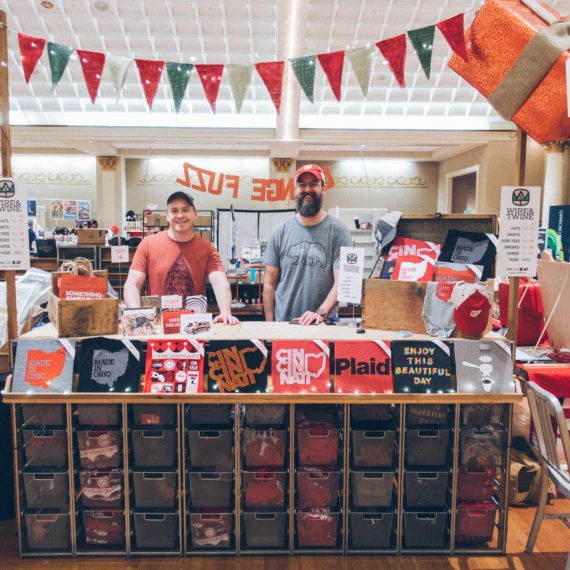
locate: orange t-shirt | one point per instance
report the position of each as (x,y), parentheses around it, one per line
(174,267)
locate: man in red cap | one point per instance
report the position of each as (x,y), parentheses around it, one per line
(302,257)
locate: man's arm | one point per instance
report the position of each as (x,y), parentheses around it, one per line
(309,317)
(223,293)
(132,288)
(269,284)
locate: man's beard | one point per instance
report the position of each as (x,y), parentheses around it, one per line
(309,209)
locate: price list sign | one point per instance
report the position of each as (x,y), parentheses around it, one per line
(14,246)
(518,231)
(351,269)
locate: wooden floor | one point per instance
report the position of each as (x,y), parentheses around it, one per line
(550,552)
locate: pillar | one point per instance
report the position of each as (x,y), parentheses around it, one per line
(554,190)
(109,194)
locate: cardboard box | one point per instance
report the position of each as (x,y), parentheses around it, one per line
(152,219)
(206,235)
(82,318)
(499,33)
(91,237)
(162,221)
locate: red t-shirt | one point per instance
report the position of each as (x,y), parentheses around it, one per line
(175,267)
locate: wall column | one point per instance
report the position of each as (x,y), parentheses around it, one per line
(553,193)
(108,193)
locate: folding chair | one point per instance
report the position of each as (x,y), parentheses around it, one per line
(547,415)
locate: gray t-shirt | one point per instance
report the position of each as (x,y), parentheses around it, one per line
(306,257)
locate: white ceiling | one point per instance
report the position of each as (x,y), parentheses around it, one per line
(390,121)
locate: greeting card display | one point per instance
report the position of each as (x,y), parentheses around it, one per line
(194,323)
(237,366)
(483,367)
(174,366)
(421,367)
(43,365)
(362,366)
(300,366)
(109,365)
(138,322)
(171,320)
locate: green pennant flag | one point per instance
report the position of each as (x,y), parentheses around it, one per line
(58,57)
(178,75)
(240,77)
(304,68)
(422,40)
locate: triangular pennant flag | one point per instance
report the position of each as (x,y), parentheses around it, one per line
(118,66)
(453,31)
(31,50)
(394,52)
(58,57)
(178,75)
(150,72)
(92,64)
(361,61)
(422,40)
(304,68)
(210,76)
(240,77)
(332,64)
(271,73)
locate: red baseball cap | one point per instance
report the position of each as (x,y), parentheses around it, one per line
(314,169)
(472,302)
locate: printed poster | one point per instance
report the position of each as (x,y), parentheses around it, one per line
(84,210)
(69,209)
(56,209)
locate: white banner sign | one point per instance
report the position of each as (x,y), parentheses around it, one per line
(14,243)
(119,253)
(518,231)
(351,270)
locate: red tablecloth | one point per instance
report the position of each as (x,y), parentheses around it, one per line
(552,377)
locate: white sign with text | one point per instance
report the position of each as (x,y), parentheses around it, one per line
(14,242)
(119,253)
(351,270)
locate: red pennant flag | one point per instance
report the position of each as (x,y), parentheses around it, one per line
(271,73)
(453,31)
(332,64)
(30,51)
(92,64)
(394,51)
(150,72)
(210,76)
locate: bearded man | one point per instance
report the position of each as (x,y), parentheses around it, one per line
(302,257)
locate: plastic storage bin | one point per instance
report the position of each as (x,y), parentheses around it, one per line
(474,483)
(265,447)
(45,447)
(370,412)
(426,446)
(99,414)
(372,488)
(317,446)
(99,449)
(43,414)
(210,414)
(211,490)
(427,414)
(482,414)
(46,490)
(317,527)
(154,414)
(373,448)
(211,530)
(424,529)
(265,530)
(317,487)
(156,530)
(48,532)
(104,526)
(264,414)
(482,446)
(154,447)
(211,448)
(155,490)
(474,522)
(264,488)
(101,488)
(425,488)
(371,530)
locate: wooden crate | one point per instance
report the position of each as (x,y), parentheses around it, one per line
(85,317)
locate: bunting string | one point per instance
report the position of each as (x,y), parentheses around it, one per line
(393,50)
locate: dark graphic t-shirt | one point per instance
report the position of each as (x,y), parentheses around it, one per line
(237,366)
(109,365)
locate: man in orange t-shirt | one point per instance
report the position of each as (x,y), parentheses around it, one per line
(176,262)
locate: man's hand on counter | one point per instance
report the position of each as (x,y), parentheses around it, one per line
(310,318)
(226,319)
